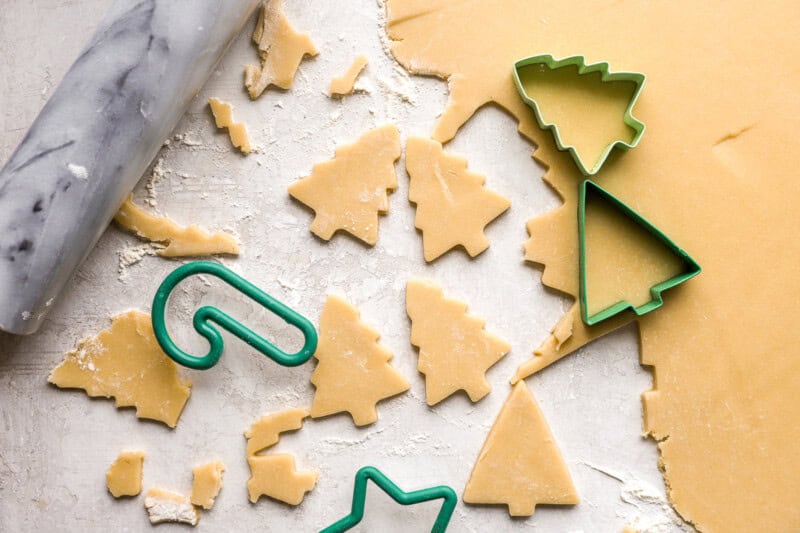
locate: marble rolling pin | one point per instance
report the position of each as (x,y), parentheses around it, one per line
(96,136)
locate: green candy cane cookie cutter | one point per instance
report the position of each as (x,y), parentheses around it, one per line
(206,315)
(442,492)
(547,60)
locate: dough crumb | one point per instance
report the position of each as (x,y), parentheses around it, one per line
(453,205)
(124,476)
(348,192)
(280,49)
(344,84)
(520,464)
(181,241)
(166,506)
(207,482)
(223,117)
(126,362)
(455,351)
(276,476)
(353,372)
(266,431)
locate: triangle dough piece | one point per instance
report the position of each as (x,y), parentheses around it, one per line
(520,464)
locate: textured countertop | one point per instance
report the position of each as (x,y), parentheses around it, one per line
(56,445)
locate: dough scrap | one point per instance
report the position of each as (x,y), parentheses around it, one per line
(520,464)
(353,372)
(347,192)
(266,431)
(167,506)
(343,85)
(715,171)
(280,49)
(453,205)
(181,241)
(455,350)
(124,476)
(223,117)
(126,362)
(275,475)
(587,111)
(206,484)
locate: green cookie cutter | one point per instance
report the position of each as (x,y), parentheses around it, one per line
(207,314)
(605,75)
(399,495)
(692,267)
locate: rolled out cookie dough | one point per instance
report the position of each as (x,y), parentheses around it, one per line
(266,431)
(124,476)
(453,206)
(126,362)
(348,192)
(223,118)
(280,49)
(455,350)
(181,241)
(353,371)
(343,85)
(716,171)
(520,464)
(167,506)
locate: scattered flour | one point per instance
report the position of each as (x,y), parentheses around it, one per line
(79,171)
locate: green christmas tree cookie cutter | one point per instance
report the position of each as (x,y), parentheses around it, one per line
(204,317)
(366,473)
(605,75)
(692,268)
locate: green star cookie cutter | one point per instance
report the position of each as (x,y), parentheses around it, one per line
(692,268)
(204,317)
(399,495)
(547,60)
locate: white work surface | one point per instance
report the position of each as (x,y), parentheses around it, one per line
(55,445)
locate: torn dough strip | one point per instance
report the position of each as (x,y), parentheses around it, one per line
(181,241)
(166,506)
(266,431)
(280,48)
(343,85)
(223,117)
(126,362)
(275,476)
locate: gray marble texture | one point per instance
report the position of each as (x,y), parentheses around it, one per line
(95,137)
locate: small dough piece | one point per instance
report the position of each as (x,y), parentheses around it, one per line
(455,351)
(347,192)
(124,476)
(181,241)
(167,506)
(266,431)
(344,84)
(280,48)
(223,117)
(453,206)
(353,373)
(207,483)
(126,362)
(520,464)
(275,475)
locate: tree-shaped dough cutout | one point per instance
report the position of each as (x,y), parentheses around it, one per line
(348,192)
(520,464)
(453,206)
(353,372)
(455,350)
